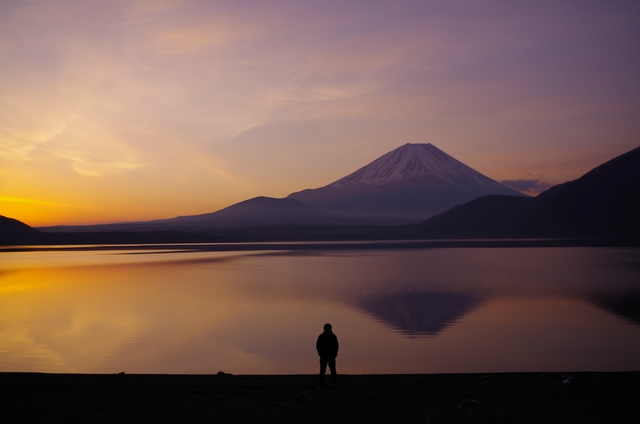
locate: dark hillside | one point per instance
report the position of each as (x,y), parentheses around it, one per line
(13,231)
(604,202)
(13,226)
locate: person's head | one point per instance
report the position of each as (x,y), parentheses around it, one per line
(327,327)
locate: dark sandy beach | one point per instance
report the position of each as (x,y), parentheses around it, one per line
(437,398)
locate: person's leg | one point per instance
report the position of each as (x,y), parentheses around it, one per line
(323,370)
(334,374)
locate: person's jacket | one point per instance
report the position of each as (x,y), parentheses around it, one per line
(327,345)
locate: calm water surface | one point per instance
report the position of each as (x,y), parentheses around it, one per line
(394,311)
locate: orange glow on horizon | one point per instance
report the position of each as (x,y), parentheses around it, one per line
(147,110)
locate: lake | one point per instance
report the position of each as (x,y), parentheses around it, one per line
(182,309)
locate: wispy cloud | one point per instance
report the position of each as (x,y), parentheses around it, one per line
(29,201)
(528,186)
(247,98)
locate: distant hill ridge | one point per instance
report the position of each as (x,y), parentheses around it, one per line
(14,227)
(13,231)
(605,202)
(256,211)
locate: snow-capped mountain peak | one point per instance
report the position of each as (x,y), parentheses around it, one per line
(411,161)
(408,184)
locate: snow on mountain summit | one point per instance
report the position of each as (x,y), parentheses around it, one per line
(411,161)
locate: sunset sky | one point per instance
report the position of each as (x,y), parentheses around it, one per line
(128,110)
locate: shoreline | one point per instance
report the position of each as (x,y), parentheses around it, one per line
(326,245)
(531,397)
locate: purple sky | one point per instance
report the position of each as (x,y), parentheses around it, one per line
(127,110)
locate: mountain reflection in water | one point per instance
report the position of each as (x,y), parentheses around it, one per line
(420,314)
(625,305)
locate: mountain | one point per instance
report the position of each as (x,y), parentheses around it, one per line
(253,212)
(258,211)
(10,226)
(13,231)
(605,202)
(406,185)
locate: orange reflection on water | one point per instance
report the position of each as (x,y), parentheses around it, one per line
(86,319)
(152,317)
(243,313)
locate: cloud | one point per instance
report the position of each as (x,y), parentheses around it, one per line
(225,97)
(151,7)
(93,157)
(29,201)
(532,186)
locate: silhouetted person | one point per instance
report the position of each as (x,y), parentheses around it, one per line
(327,347)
